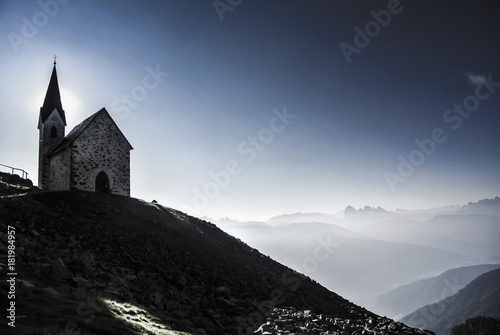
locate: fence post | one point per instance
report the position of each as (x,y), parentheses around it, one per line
(24,174)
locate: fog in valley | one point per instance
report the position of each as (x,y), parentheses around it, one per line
(365,254)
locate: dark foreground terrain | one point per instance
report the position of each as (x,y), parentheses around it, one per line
(89,263)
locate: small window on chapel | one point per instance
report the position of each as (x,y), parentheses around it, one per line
(53,132)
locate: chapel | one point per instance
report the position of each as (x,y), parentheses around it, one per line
(94,156)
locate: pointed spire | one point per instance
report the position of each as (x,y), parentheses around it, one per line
(52,98)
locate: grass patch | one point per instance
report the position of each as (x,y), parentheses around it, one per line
(139,319)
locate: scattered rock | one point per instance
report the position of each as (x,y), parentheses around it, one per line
(290,321)
(59,270)
(80,282)
(25,283)
(51,291)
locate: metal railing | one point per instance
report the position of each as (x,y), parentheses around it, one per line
(24,174)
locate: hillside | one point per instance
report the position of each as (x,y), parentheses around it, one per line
(13,184)
(477,326)
(408,298)
(478,298)
(91,263)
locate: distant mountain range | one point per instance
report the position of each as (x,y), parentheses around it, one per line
(369,214)
(372,250)
(374,214)
(302,217)
(408,298)
(484,207)
(481,297)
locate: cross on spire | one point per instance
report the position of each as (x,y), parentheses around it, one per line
(52,98)
(55,58)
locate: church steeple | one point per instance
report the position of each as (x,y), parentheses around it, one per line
(52,100)
(51,126)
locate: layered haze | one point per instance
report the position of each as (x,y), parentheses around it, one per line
(367,253)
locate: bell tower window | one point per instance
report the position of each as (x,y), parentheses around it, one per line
(53,132)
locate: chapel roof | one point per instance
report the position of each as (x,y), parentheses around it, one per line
(77,131)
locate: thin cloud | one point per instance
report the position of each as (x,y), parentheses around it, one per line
(476,79)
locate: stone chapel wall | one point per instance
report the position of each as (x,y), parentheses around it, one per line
(101,147)
(60,171)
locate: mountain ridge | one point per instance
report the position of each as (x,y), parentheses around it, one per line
(478,298)
(473,207)
(408,298)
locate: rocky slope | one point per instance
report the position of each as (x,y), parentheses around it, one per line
(89,263)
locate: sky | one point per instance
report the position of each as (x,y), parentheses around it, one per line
(250,109)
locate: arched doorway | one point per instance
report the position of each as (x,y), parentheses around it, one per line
(102,182)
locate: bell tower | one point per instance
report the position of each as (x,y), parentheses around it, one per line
(51,126)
